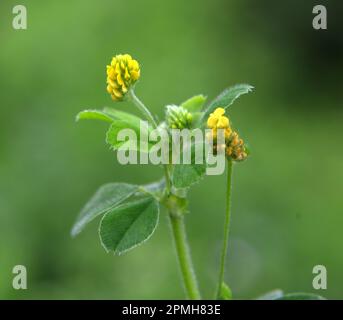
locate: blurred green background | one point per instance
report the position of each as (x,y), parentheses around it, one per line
(287,198)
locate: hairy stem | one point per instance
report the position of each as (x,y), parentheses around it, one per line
(183,253)
(226,229)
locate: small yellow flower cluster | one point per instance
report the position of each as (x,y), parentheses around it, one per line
(234,146)
(122,73)
(217,120)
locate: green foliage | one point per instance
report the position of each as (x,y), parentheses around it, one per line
(119,120)
(272,295)
(225,292)
(194,104)
(106,198)
(108,115)
(280,295)
(130,212)
(154,188)
(185,175)
(94,115)
(121,115)
(227,97)
(129,224)
(197,116)
(131,143)
(300,296)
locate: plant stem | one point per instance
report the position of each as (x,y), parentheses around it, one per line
(177,221)
(140,105)
(185,261)
(142,108)
(226,228)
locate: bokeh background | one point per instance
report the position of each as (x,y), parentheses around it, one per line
(287,198)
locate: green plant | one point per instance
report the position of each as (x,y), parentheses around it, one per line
(130,213)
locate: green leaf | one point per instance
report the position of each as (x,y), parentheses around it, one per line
(112,135)
(196,119)
(185,175)
(300,296)
(94,115)
(154,188)
(121,115)
(129,224)
(124,120)
(225,292)
(272,295)
(194,104)
(131,143)
(106,198)
(108,115)
(227,97)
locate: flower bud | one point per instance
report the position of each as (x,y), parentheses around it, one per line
(236,148)
(178,117)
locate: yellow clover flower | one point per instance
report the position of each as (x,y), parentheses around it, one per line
(234,146)
(217,120)
(122,73)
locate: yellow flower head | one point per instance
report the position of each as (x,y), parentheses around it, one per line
(122,73)
(217,120)
(234,146)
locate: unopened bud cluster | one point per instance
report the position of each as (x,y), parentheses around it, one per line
(178,117)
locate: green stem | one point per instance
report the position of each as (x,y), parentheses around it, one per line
(140,105)
(184,257)
(142,108)
(177,221)
(226,229)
